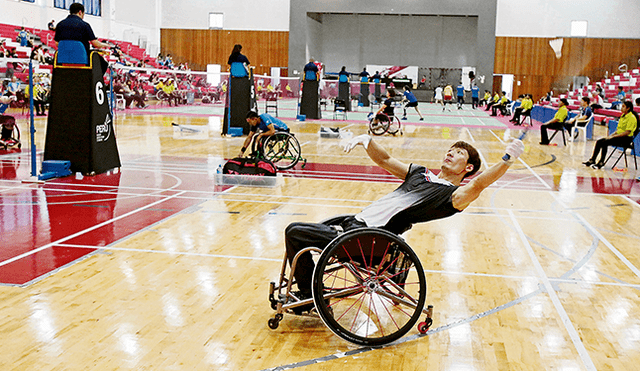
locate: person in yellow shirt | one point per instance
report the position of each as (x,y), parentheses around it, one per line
(485,98)
(494,101)
(524,110)
(626,131)
(557,122)
(501,105)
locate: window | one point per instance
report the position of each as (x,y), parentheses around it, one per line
(215,20)
(579,28)
(92,7)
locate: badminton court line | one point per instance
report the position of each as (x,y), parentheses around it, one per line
(573,334)
(106,222)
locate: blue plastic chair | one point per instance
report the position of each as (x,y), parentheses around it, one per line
(72,52)
(238,70)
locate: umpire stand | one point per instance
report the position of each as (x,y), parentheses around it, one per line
(241,98)
(309,103)
(364,91)
(344,91)
(80,126)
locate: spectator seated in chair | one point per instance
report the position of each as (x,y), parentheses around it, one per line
(524,110)
(583,118)
(626,131)
(556,123)
(501,105)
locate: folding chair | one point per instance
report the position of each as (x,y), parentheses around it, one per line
(339,108)
(630,146)
(271,101)
(556,130)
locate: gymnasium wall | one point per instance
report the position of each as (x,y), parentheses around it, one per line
(259,15)
(264,49)
(552,18)
(419,32)
(355,40)
(533,63)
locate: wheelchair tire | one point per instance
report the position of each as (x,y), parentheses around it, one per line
(282,149)
(394,126)
(369,287)
(378,128)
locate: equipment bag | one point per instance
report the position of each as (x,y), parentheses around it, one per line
(249,166)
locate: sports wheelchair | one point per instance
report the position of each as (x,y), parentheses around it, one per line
(382,123)
(368,287)
(282,149)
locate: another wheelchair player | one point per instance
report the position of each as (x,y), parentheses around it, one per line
(266,124)
(386,111)
(423,196)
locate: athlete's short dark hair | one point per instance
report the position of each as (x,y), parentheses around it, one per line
(474,157)
(252,114)
(76,8)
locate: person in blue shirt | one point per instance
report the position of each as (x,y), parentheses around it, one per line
(410,100)
(75,28)
(583,118)
(364,75)
(620,97)
(236,56)
(376,77)
(23,35)
(460,94)
(310,71)
(343,75)
(266,124)
(475,91)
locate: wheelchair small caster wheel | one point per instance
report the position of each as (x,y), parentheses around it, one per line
(273,323)
(423,327)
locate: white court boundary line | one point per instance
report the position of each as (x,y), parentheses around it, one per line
(573,334)
(600,237)
(525,164)
(106,222)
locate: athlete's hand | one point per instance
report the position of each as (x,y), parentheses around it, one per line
(363,139)
(514,150)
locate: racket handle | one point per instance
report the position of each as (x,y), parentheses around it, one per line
(506,156)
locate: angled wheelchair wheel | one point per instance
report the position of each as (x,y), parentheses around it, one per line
(378,128)
(369,287)
(394,126)
(282,149)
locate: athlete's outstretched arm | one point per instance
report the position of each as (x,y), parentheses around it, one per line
(379,155)
(468,193)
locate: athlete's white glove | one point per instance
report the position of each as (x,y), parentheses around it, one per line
(514,150)
(363,139)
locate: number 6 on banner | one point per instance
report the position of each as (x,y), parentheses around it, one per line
(99,93)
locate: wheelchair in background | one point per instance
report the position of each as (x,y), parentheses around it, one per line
(381,123)
(368,287)
(282,149)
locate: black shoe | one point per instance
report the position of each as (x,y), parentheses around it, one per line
(302,296)
(597,166)
(588,163)
(544,144)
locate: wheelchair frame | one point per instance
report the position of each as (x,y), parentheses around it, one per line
(347,277)
(392,126)
(283,156)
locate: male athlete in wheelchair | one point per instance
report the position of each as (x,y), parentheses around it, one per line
(274,142)
(368,285)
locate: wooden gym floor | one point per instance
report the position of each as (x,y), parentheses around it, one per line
(155,267)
